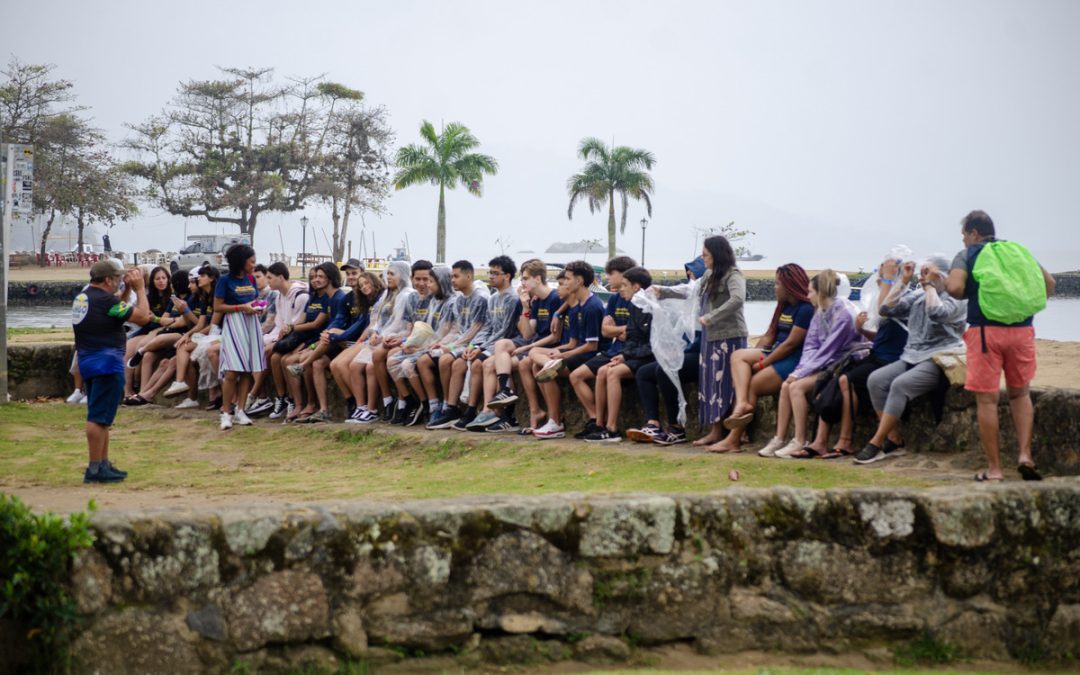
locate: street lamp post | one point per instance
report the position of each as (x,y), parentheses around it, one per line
(303,247)
(644,224)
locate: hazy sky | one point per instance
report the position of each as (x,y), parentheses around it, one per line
(831,129)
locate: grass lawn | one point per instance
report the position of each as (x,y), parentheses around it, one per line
(42,444)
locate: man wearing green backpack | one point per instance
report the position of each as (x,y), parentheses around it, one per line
(1005,287)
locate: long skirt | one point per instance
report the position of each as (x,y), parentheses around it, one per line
(716,391)
(241,344)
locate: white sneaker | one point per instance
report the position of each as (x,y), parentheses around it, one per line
(226,421)
(249,403)
(187,403)
(793,446)
(175,389)
(550,371)
(550,430)
(771,447)
(76,397)
(242,419)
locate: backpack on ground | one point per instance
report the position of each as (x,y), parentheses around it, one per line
(1011,284)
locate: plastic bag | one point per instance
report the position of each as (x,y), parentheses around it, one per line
(673,326)
(870,295)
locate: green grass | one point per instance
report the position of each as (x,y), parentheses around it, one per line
(43,444)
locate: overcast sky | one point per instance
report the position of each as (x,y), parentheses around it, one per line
(831,129)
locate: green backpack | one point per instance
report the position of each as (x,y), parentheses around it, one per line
(1011,284)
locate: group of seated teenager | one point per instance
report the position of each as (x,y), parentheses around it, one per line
(425,344)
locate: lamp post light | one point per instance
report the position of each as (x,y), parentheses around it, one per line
(644,224)
(303,247)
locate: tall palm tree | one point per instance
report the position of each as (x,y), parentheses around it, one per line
(609,171)
(444,160)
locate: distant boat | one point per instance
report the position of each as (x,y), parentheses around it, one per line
(751,257)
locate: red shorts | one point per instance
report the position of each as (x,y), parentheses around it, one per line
(1011,349)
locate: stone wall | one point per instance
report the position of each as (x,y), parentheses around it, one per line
(994,572)
(42,370)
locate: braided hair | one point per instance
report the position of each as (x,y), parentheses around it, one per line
(793,279)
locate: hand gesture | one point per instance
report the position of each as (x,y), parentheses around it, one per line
(286,329)
(247,308)
(907,272)
(134,279)
(861,319)
(617,359)
(179,306)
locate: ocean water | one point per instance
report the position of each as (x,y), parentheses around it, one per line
(1059,321)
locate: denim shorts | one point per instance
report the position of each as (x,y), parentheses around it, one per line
(786,366)
(103,395)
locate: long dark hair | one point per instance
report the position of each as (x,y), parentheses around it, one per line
(214,274)
(364,302)
(723,260)
(154,297)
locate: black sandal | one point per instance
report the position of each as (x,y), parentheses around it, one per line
(984,477)
(807,453)
(214,404)
(1029,472)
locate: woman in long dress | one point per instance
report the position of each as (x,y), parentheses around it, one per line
(241,333)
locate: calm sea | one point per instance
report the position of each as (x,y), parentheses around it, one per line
(1059,321)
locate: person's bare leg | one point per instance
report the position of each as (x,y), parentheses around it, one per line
(987,414)
(600,392)
(457,381)
(147,369)
(446,375)
(502,361)
(311,401)
(97,439)
(532,392)
(132,346)
(293,383)
(847,419)
(550,390)
(581,380)
(427,369)
(741,374)
(820,444)
(161,379)
(489,381)
(418,385)
(228,391)
(318,374)
(800,406)
(357,384)
(373,397)
(382,376)
(476,383)
(783,410)
(1023,416)
(888,427)
(615,376)
(243,388)
(277,369)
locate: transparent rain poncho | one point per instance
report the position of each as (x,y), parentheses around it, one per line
(675,315)
(870,296)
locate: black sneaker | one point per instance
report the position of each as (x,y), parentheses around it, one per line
(118,472)
(445,419)
(399,416)
(135,360)
(870,454)
(103,475)
(503,398)
(413,412)
(590,428)
(463,422)
(504,426)
(389,410)
(280,404)
(672,436)
(603,436)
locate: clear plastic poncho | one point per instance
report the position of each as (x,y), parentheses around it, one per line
(675,315)
(870,294)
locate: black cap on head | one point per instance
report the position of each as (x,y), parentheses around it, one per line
(352,263)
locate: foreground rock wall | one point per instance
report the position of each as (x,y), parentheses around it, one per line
(42,370)
(994,572)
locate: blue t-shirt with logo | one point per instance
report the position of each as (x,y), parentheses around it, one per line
(586,321)
(618,309)
(236,291)
(318,303)
(543,311)
(798,315)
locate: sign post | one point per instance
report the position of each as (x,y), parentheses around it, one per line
(16,201)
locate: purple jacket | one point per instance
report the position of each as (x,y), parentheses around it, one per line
(830,336)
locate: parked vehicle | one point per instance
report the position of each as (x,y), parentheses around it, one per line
(206,249)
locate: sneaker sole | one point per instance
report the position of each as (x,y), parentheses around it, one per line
(502,403)
(441,426)
(603,440)
(669,443)
(544,437)
(640,436)
(91,481)
(876,458)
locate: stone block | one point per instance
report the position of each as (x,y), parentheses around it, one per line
(286,606)
(628,526)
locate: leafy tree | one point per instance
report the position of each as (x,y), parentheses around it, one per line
(444,160)
(357,173)
(732,233)
(29,98)
(230,150)
(610,171)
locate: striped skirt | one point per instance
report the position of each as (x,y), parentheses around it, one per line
(716,391)
(241,344)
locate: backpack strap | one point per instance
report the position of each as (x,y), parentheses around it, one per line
(982,335)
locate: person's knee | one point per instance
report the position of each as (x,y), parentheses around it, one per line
(1016,393)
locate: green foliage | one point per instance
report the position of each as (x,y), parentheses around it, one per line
(445,160)
(928,649)
(732,233)
(609,172)
(35,563)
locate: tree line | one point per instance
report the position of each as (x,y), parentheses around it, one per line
(232,149)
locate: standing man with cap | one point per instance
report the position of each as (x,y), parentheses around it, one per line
(98,316)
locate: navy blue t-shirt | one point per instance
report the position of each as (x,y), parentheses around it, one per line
(339,310)
(618,309)
(318,303)
(543,311)
(798,315)
(586,321)
(97,318)
(236,291)
(890,341)
(965,260)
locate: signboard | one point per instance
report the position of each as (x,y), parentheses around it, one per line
(21,173)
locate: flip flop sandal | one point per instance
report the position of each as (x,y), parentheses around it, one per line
(137,400)
(1029,472)
(738,421)
(719,451)
(832,454)
(806,453)
(527,431)
(984,477)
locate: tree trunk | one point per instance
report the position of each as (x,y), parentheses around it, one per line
(45,236)
(440,233)
(611,225)
(82,226)
(339,248)
(339,237)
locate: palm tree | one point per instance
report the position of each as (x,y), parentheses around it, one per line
(608,171)
(444,160)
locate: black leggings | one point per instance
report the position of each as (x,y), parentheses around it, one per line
(651,377)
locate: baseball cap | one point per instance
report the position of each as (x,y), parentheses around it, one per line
(193,274)
(352,263)
(109,267)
